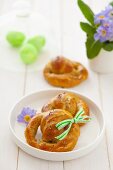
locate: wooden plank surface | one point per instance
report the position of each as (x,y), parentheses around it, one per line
(106,84)
(73,42)
(64,17)
(35,81)
(106,94)
(11,89)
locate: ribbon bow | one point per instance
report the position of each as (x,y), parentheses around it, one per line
(79,118)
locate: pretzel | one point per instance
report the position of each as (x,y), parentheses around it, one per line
(47,122)
(62,72)
(67,101)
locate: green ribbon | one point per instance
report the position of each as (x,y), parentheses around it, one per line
(79,118)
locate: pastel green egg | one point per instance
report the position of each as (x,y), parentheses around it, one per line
(15,38)
(28,54)
(37,41)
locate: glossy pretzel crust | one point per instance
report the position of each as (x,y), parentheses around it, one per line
(62,72)
(47,122)
(67,101)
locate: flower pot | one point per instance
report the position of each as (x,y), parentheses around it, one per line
(103,63)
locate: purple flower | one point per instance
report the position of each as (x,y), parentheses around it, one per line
(26,115)
(102,34)
(107,23)
(107,14)
(109,11)
(105,31)
(99,18)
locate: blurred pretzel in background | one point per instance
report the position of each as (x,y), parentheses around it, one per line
(62,72)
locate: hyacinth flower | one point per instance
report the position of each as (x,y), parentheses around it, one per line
(26,115)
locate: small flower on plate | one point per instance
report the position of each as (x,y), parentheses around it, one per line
(26,115)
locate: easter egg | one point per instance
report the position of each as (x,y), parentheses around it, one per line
(28,54)
(37,41)
(15,38)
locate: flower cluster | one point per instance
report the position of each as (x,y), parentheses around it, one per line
(104,23)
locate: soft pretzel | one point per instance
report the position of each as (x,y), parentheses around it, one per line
(47,122)
(62,72)
(67,101)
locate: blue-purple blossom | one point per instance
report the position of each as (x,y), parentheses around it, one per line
(99,18)
(106,14)
(26,115)
(107,23)
(109,11)
(104,33)
(104,20)
(101,34)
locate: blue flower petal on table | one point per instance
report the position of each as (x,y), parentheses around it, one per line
(26,114)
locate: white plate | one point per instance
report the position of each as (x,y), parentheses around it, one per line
(91,134)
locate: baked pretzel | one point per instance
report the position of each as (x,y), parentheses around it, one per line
(67,101)
(47,122)
(62,72)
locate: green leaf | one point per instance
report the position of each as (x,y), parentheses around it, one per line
(87,12)
(93,47)
(111,3)
(87,28)
(108,46)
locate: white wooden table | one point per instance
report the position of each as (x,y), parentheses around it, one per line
(65,16)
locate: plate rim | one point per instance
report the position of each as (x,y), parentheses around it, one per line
(88,147)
